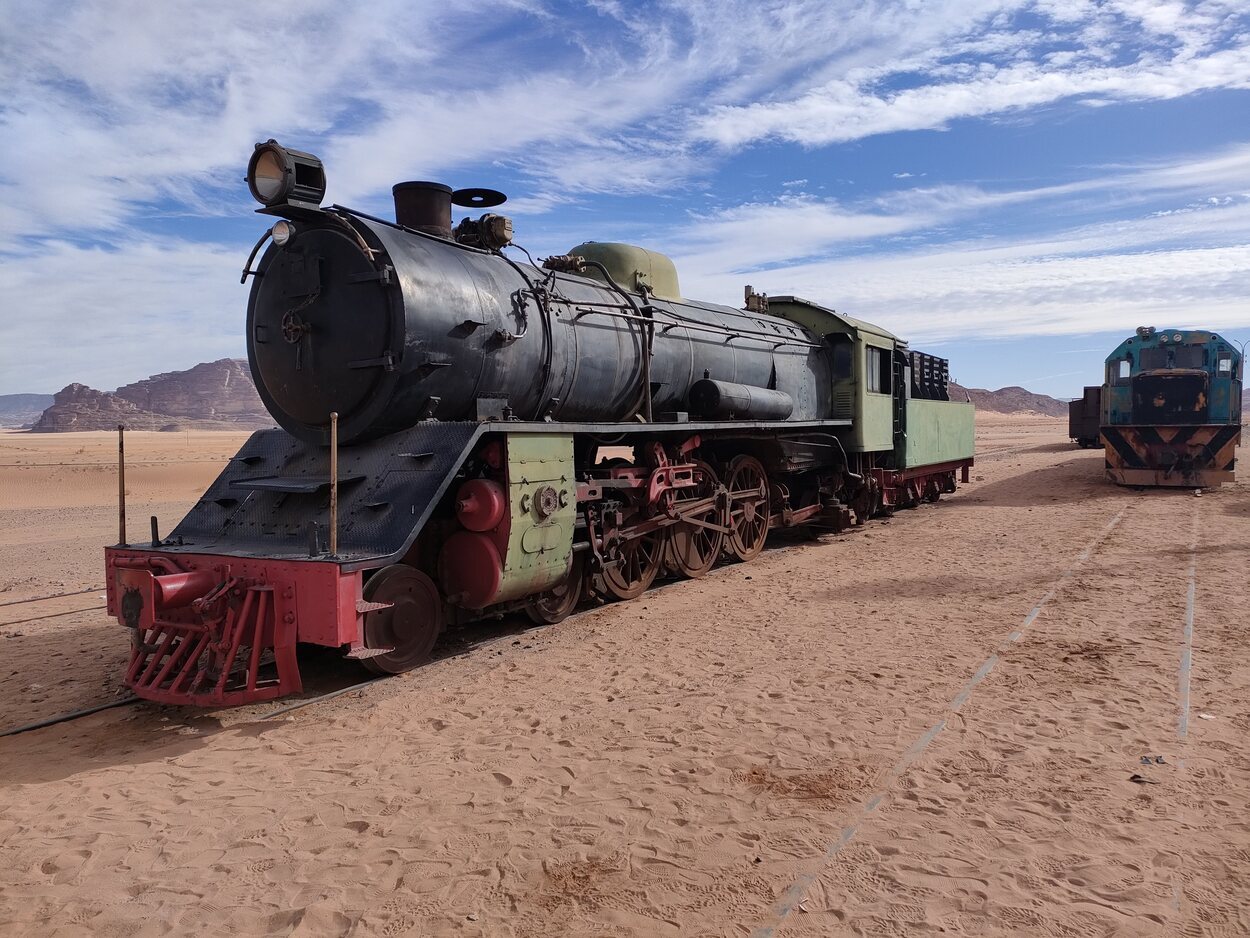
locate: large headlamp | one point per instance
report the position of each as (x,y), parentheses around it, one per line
(278,176)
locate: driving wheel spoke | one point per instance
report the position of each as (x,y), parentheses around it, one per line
(696,544)
(640,561)
(749,508)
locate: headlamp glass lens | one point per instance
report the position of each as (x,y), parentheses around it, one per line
(268,176)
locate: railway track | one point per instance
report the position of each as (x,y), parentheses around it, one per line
(52,615)
(113,465)
(52,597)
(40,599)
(73,715)
(1011,451)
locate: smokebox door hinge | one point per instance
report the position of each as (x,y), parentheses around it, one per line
(385,362)
(385,276)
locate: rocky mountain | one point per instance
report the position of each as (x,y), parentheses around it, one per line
(212,396)
(1012,400)
(21,410)
(220,390)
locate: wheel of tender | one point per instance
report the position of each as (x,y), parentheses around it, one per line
(694,546)
(640,559)
(411,625)
(558,603)
(749,508)
(866,502)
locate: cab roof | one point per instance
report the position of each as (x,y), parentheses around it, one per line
(849,322)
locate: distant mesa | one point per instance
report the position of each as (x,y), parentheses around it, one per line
(212,396)
(1013,400)
(22,410)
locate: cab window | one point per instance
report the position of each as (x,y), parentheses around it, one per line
(1118,371)
(842,361)
(878,370)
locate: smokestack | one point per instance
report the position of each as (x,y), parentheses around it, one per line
(425,206)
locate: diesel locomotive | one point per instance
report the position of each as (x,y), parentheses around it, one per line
(1171,409)
(463,435)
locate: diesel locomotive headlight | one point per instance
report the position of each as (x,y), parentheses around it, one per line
(282,233)
(278,176)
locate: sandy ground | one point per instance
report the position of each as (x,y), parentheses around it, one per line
(935,724)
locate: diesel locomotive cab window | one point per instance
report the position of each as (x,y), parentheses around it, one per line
(1224,365)
(1119,371)
(878,371)
(1179,356)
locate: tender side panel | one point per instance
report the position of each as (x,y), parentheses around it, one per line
(938,432)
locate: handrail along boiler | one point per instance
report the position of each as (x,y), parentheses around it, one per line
(514,437)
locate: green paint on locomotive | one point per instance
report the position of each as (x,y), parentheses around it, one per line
(865,387)
(937,432)
(863,374)
(633,268)
(542,500)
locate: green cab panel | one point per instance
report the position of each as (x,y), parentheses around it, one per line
(874,430)
(938,432)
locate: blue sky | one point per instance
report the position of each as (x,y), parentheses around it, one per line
(1016,185)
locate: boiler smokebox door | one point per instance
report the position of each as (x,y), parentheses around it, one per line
(321,332)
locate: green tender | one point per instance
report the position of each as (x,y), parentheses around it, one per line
(938,432)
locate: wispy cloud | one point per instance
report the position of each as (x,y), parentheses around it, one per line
(1099,276)
(120,118)
(91,314)
(1117,51)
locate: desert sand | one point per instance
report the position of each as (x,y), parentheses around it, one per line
(935,724)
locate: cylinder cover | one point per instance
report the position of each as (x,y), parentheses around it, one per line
(470,569)
(481,504)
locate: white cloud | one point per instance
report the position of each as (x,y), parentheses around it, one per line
(1117,274)
(91,314)
(114,113)
(850,109)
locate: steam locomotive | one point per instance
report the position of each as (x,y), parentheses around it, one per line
(1170,409)
(464,435)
